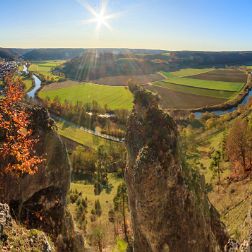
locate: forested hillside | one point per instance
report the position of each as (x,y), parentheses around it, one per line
(7,54)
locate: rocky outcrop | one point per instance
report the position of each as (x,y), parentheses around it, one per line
(5,217)
(39,201)
(14,237)
(169,207)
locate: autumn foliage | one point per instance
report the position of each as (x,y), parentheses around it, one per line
(17,142)
(239,146)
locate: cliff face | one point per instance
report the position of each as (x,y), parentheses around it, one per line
(170,211)
(39,201)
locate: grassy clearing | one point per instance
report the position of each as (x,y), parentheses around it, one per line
(187,72)
(213,143)
(197,91)
(45,68)
(114,97)
(106,201)
(207,84)
(80,136)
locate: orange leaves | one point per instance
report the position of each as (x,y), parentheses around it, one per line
(16,139)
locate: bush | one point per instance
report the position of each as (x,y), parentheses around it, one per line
(98,209)
(73,196)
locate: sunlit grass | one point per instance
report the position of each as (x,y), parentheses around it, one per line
(115,97)
(188,72)
(207,84)
(106,201)
(80,136)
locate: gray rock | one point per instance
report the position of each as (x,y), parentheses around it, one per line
(5,217)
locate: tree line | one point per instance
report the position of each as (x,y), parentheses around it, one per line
(88,116)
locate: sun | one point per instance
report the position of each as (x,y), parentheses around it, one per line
(99,16)
(100,20)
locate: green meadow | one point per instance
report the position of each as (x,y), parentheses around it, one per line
(187,72)
(114,97)
(207,84)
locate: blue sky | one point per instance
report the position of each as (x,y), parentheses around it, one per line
(154,24)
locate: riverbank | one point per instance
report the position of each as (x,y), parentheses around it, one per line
(228,106)
(92,132)
(230,103)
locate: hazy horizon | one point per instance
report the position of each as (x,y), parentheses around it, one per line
(125,48)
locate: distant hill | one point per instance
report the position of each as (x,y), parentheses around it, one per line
(202,59)
(21,51)
(52,54)
(9,54)
(95,64)
(126,51)
(98,63)
(69,53)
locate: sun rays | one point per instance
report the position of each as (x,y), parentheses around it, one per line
(100,15)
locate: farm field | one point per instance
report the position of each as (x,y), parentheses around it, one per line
(79,136)
(180,100)
(45,68)
(123,80)
(114,97)
(194,88)
(197,91)
(187,72)
(207,84)
(227,75)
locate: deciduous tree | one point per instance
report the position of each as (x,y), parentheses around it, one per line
(17,155)
(238,145)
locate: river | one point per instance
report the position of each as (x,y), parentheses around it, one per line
(25,69)
(37,83)
(37,86)
(223,112)
(32,94)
